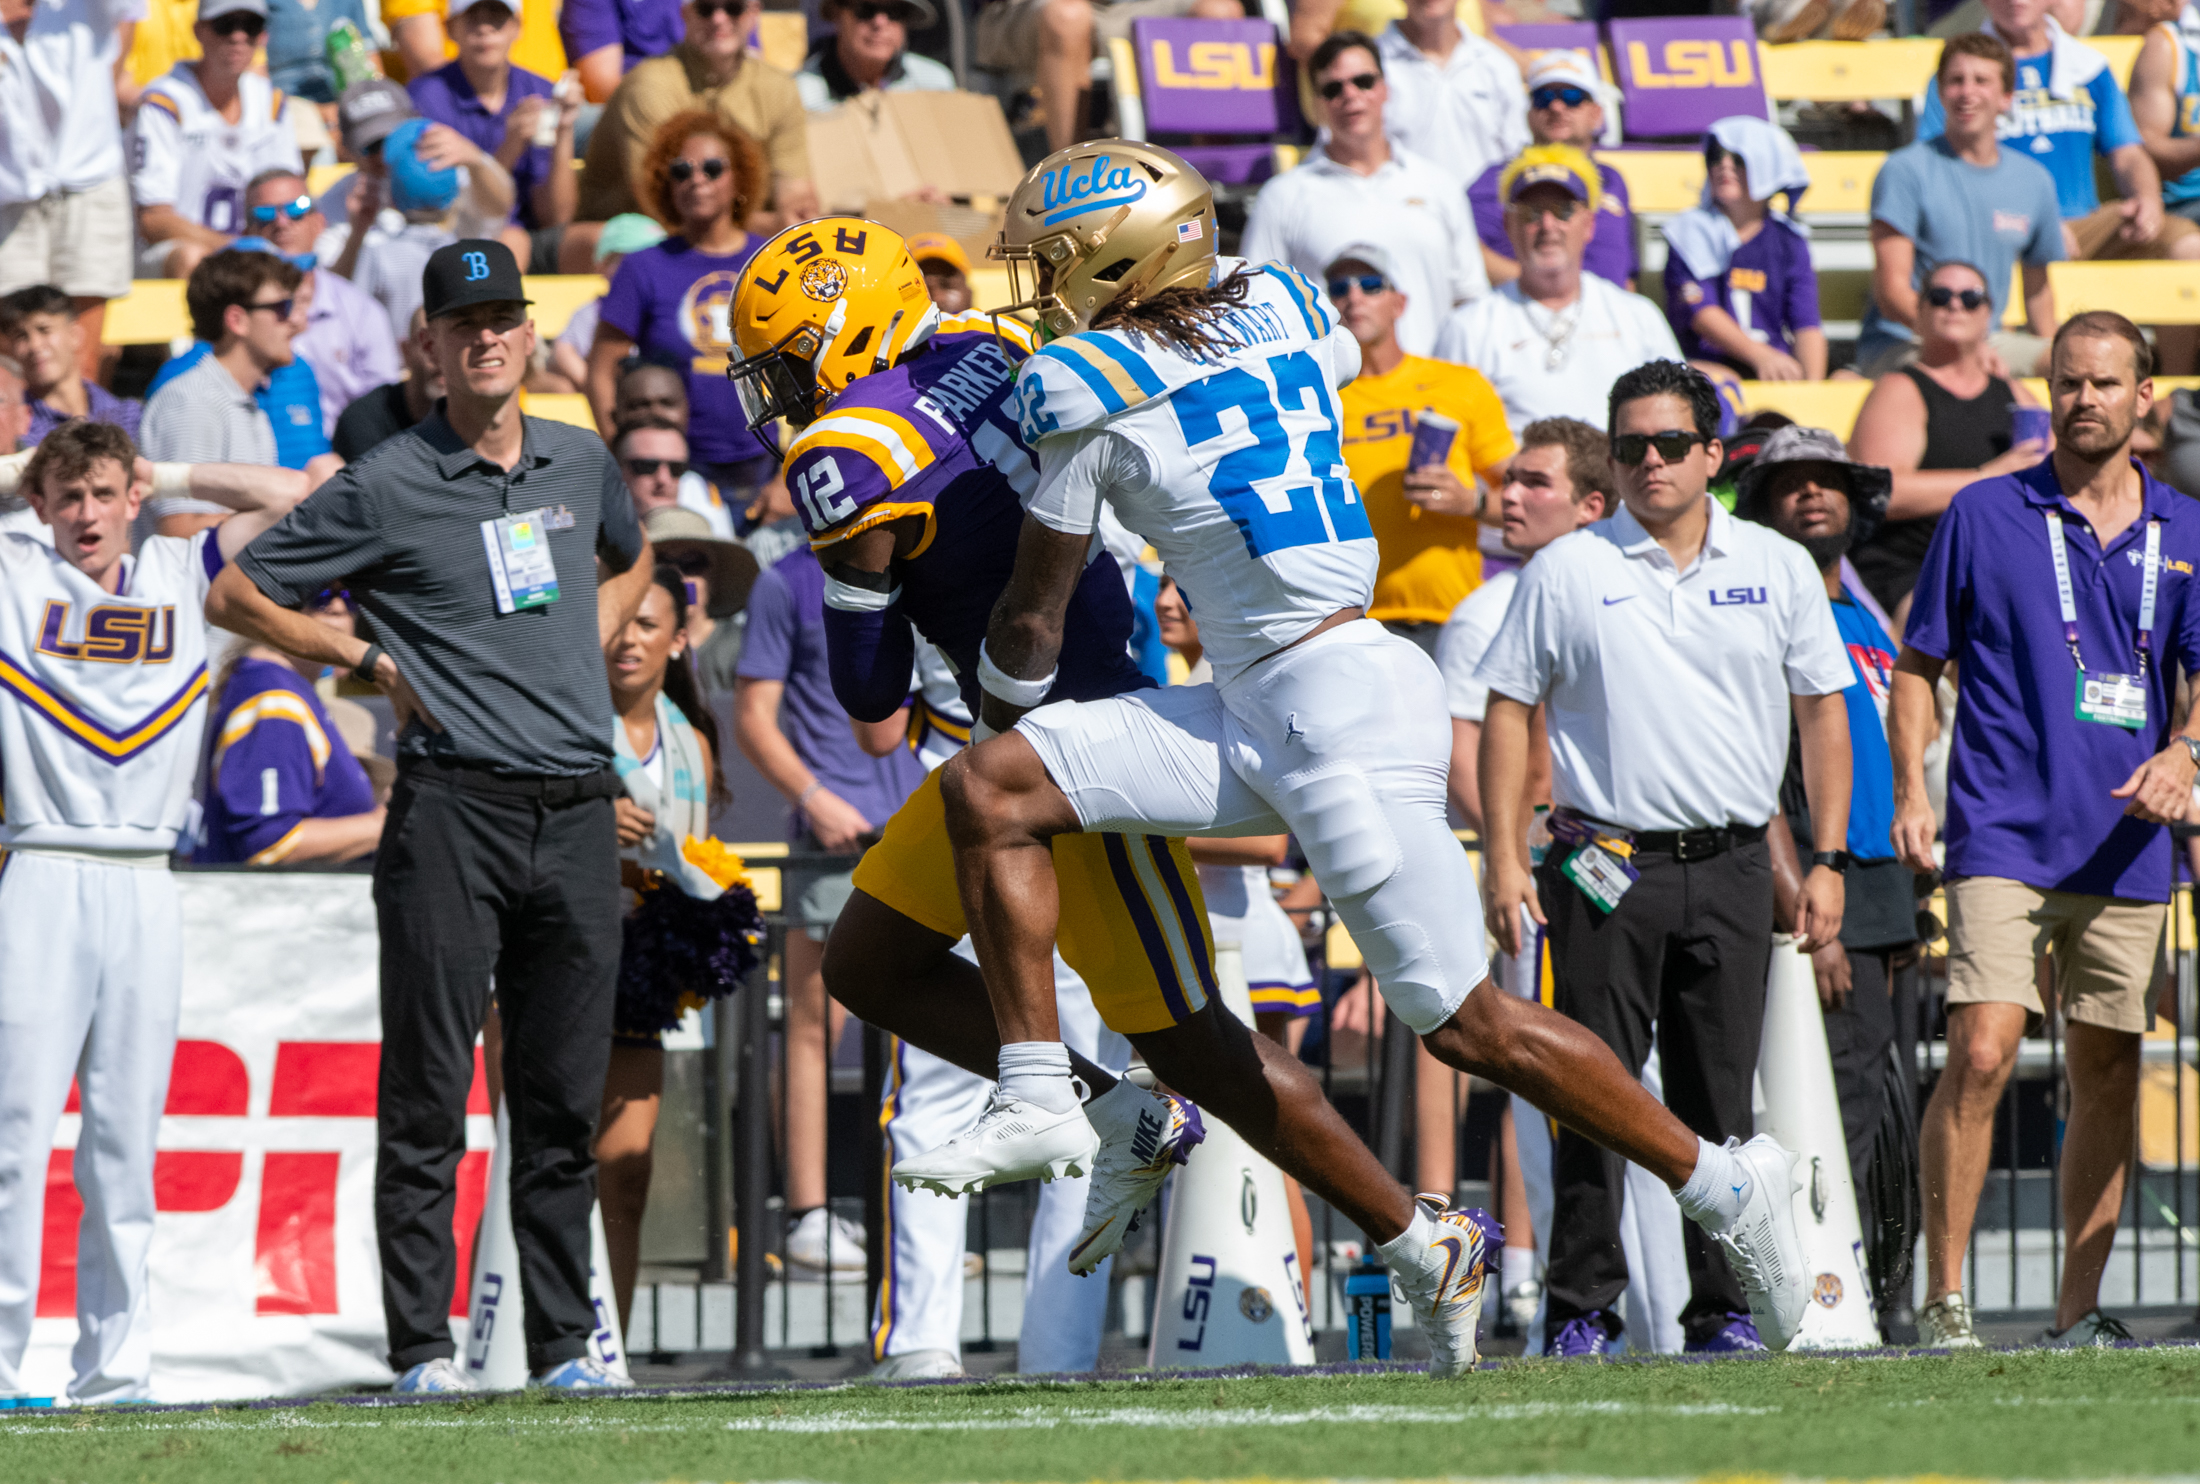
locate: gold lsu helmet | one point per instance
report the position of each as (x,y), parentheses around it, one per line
(1106,220)
(821,304)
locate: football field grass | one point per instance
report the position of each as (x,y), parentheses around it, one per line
(2015,1415)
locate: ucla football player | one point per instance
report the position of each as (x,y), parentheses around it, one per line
(1195,396)
(910,474)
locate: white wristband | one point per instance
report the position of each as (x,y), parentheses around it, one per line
(996,682)
(171,479)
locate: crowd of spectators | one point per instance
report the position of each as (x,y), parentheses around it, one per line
(1490,269)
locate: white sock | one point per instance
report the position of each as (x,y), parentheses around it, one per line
(1404,1251)
(1515,1266)
(1712,1198)
(1037,1072)
(1115,1112)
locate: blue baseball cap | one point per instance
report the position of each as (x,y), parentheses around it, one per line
(413,185)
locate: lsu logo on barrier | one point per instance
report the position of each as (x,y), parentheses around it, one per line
(1693,64)
(1217,66)
(1073,190)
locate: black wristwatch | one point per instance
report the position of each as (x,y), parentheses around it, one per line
(1836,861)
(2192,746)
(368,663)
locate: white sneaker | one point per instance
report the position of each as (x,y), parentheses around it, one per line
(917,1365)
(1945,1324)
(1445,1283)
(431,1378)
(581,1373)
(1762,1242)
(1012,1140)
(1142,1137)
(826,1243)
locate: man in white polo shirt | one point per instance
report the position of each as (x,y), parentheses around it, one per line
(1668,646)
(1454,97)
(1554,339)
(1356,186)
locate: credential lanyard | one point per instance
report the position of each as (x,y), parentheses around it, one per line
(2150,579)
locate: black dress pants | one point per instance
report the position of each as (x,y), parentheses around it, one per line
(484,880)
(1686,950)
(1858,1032)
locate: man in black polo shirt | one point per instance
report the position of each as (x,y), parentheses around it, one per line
(470,543)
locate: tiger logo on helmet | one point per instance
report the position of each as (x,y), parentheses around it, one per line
(1101,221)
(821,304)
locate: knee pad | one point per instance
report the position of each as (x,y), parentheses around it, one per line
(1343,830)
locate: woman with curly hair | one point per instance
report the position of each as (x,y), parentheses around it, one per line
(701,177)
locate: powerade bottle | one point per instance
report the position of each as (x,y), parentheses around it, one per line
(349,57)
(1367,1310)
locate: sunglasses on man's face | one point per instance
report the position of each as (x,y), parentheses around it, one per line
(1332,90)
(1940,297)
(1367,283)
(1572,97)
(231,25)
(1630,448)
(1565,209)
(280,308)
(644,468)
(708,8)
(683,171)
(871,10)
(291,209)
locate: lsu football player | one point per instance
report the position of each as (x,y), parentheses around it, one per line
(1196,397)
(910,474)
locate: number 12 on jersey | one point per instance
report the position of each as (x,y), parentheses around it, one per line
(1288,486)
(819,489)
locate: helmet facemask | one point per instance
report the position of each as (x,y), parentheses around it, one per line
(781,382)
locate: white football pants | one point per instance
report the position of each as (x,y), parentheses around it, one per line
(920,1304)
(91,977)
(1345,742)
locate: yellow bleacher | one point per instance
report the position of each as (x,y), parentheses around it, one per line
(1661,182)
(1848,71)
(559,407)
(1834,404)
(2149,293)
(152,313)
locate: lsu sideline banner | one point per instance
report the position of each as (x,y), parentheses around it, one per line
(264,1275)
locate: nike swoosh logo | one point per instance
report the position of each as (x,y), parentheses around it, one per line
(1608,602)
(1451,1263)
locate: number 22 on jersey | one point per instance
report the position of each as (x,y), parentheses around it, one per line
(1284,481)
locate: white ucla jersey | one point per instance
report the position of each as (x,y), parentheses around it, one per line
(184,154)
(102,695)
(1231,468)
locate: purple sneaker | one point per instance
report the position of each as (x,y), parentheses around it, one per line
(1585,1336)
(1736,1337)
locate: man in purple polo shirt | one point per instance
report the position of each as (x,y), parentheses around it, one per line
(1564,107)
(2066,596)
(499,108)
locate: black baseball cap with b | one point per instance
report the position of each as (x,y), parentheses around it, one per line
(470,271)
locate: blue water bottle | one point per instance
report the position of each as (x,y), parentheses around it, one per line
(1367,1310)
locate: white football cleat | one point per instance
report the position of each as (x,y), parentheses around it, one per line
(1445,1282)
(1012,1140)
(1143,1136)
(1762,1243)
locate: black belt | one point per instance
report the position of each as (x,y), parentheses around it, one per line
(1697,845)
(544,788)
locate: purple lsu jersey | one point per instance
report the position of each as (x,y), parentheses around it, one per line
(277,762)
(936,436)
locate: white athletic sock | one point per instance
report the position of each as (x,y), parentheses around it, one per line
(1405,1252)
(1515,1266)
(1712,1198)
(1114,1114)
(1037,1072)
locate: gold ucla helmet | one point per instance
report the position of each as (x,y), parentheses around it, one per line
(1106,220)
(821,304)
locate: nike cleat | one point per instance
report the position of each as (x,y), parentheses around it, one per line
(1762,1243)
(1143,1136)
(1445,1283)
(1012,1140)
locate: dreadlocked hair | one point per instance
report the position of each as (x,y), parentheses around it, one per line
(1182,318)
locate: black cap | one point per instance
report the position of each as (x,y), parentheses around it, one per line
(472,270)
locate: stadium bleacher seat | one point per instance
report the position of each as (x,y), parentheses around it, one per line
(2163,293)
(557,295)
(153,313)
(1849,71)
(1834,404)
(1217,92)
(1679,75)
(559,407)
(1661,182)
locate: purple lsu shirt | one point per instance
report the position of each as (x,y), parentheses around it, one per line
(786,642)
(445,96)
(673,301)
(1611,252)
(2028,783)
(266,779)
(1769,286)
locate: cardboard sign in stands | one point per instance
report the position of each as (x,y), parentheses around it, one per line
(882,146)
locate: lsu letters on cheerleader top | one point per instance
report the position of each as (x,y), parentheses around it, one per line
(101,695)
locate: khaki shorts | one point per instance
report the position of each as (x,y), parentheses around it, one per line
(1008,31)
(2106,951)
(78,241)
(2097,237)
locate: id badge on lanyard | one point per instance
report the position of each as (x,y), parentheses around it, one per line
(520,565)
(1601,870)
(2102,698)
